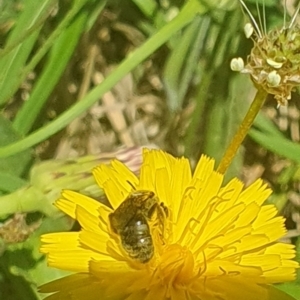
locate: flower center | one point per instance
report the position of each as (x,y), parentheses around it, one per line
(176,265)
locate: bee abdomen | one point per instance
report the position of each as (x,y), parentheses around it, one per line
(136,239)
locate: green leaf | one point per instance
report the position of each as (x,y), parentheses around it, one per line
(13,286)
(15,164)
(21,42)
(148,7)
(10,183)
(59,57)
(279,145)
(290,288)
(263,123)
(177,73)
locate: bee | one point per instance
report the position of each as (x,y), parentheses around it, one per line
(130,222)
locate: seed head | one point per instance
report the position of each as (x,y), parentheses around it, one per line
(274,61)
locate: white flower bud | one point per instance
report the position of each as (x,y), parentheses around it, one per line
(248,30)
(273,78)
(237,64)
(274,64)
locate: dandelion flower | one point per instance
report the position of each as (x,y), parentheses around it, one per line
(218,243)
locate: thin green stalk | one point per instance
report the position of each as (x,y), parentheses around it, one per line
(242,131)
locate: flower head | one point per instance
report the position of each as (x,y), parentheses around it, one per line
(273,63)
(209,242)
(276,53)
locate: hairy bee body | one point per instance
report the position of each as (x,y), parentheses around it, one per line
(130,222)
(136,239)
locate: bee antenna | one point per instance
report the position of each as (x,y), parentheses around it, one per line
(130,183)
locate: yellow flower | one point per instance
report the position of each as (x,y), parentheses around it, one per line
(217,243)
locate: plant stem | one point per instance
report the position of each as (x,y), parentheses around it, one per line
(242,131)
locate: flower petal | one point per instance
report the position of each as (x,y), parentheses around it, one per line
(231,192)
(116,183)
(125,172)
(65,252)
(88,221)
(167,177)
(125,279)
(71,199)
(153,160)
(96,242)
(81,286)
(199,199)
(257,189)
